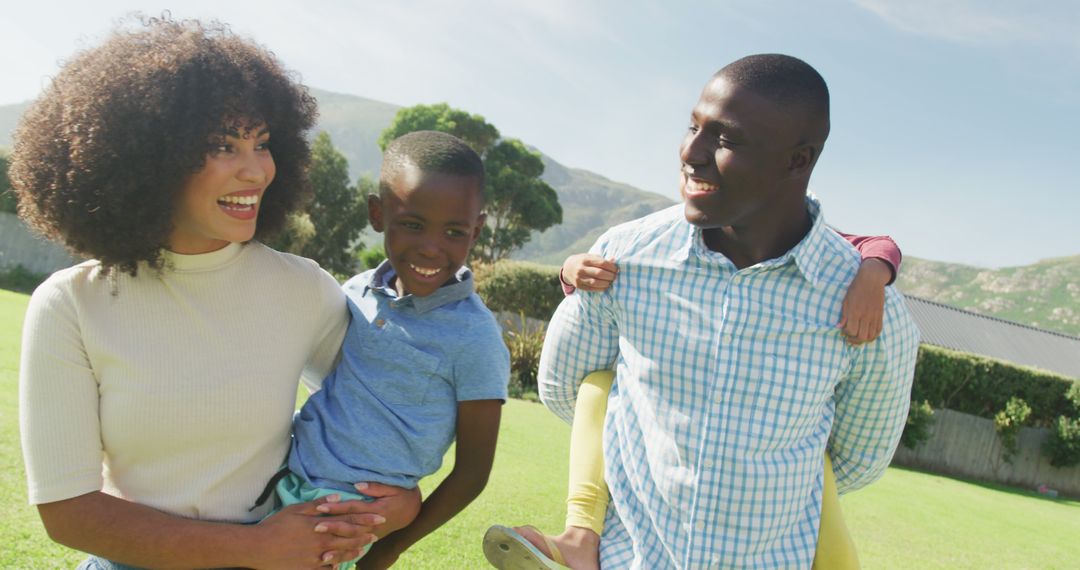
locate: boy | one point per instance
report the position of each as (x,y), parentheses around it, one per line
(423,359)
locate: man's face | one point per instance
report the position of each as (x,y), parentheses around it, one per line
(735,156)
(430,221)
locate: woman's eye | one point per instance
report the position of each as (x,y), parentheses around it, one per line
(263,146)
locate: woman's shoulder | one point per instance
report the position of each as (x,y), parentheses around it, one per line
(285,264)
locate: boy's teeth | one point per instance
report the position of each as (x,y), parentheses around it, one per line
(424,270)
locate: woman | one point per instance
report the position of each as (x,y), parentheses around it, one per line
(158,380)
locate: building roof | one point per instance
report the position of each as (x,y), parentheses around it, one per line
(965,331)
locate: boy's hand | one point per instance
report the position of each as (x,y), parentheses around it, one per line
(589,272)
(864,303)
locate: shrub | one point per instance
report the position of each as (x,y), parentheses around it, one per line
(524,341)
(983,386)
(20,279)
(371,257)
(920,418)
(1007,423)
(520,288)
(1063,445)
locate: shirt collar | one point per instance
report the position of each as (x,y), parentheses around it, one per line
(807,254)
(459,288)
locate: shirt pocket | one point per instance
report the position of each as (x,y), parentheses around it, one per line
(405,376)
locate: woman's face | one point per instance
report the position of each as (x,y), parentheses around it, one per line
(219,204)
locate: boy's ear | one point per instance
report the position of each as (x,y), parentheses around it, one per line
(480,220)
(374,212)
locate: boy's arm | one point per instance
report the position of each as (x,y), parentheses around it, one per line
(477,433)
(864,303)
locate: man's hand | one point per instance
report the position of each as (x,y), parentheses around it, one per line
(864,303)
(589,272)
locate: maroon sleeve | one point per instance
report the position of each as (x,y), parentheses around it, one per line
(879,247)
(568,289)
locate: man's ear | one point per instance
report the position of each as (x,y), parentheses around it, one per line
(374,211)
(802,160)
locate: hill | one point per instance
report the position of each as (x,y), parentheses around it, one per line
(1045,294)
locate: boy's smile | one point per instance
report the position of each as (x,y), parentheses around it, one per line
(429,221)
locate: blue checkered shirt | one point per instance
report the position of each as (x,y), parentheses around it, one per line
(730,385)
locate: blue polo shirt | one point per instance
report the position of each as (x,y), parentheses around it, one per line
(388,412)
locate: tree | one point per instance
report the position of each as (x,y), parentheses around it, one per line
(328,230)
(7,197)
(518,201)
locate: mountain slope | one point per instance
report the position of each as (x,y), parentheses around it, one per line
(1045,294)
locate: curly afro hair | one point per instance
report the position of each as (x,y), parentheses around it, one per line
(101,156)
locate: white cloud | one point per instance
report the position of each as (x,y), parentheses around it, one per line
(1050,23)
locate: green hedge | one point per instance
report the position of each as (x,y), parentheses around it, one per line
(982,386)
(520,288)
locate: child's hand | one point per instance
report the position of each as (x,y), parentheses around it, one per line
(864,303)
(589,272)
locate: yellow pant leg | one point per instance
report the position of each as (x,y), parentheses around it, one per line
(835,549)
(587,497)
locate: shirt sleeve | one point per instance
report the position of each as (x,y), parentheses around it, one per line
(482,366)
(58,401)
(876,247)
(872,401)
(333,321)
(567,289)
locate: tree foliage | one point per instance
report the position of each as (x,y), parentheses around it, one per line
(329,229)
(518,201)
(7,197)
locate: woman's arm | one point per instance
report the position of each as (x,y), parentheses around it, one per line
(477,433)
(296,537)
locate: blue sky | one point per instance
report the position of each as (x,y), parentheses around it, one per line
(955,122)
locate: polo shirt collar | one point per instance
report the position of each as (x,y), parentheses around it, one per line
(457,289)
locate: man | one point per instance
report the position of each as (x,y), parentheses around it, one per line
(732,380)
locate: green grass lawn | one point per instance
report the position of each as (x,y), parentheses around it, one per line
(907,520)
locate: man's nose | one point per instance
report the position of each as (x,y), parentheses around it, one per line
(692,150)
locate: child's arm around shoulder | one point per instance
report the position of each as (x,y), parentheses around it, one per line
(864,304)
(588,272)
(477,433)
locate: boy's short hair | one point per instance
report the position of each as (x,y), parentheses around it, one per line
(430,151)
(100,158)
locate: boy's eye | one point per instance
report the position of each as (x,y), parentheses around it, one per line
(410,225)
(693,129)
(455,233)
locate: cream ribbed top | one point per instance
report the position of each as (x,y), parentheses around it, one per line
(175,389)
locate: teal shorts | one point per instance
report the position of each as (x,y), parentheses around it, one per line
(293,489)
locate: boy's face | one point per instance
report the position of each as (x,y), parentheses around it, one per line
(429,221)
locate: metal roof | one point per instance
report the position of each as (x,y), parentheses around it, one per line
(957,329)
